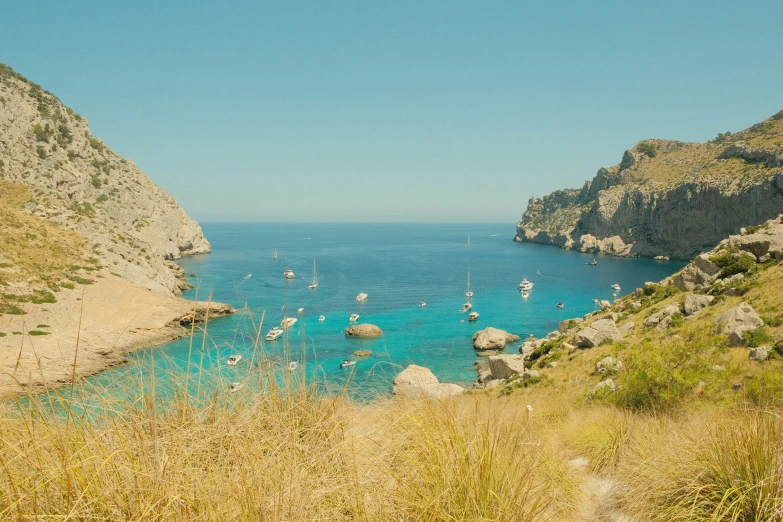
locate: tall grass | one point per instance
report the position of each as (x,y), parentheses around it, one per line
(277,449)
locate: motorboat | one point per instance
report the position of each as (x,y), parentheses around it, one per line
(560,306)
(525,285)
(347,363)
(300,310)
(354,317)
(422,304)
(321,318)
(473,316)
(592,263)
(616,287)
(289,274)
(293,365)
(274,333)
(233,360)
(361,297)
(235,387)
(288,322)
(314,284)
(525,294)
(466,307)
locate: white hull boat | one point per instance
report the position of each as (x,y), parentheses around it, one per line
(361,297)
(473,316)
(233,360)
(525,285)
(322,319)
(274,334)
(354,317)
(288,322)
(346,364)
(314,284)
(466,307)
(289,274)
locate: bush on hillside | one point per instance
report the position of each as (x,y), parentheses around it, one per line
(732,263)
(648,148)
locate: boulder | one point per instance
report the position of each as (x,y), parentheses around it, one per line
(703,263)
(635,305)
(553,335)
(662,318)
(596,333)
(604,304)
(736,321)
(362,353)
(419,382)
(484,376)
(494,383)
(608,365)
(626,328)
(563,326)
(530,374)
(363,330)
(694,303)
(492,339)
(606,385)
(760,353)
(692,277)
(768,241)
(552,364)
(504,366)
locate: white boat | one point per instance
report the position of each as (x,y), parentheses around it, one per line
(288,322)
(322,318)
(361,297)
(525,285)
(466,307)
(592,263)
(616,287)
(292,366)
(469,294)
(314,284)
(473,316)
(235,387)
(300,310)
(560,306)
(354,317)
(274,257)
(347,363)
(233,360)
(422,304)
(289,274)
(525,294)
(274,333)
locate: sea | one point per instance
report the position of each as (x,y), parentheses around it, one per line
(399,267)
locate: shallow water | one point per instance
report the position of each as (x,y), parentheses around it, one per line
(398,266)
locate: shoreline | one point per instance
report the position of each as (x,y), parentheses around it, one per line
(114,319)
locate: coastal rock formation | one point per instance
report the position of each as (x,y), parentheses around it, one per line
(599,331)
(363,330)
(504,366)
(737,321)
(132,225)
(667,199)
(419,382)
(662,318)
(492,339)
(362,353)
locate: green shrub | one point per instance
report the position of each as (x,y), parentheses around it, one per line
(757,337)
(42,133)
(544,349)
(43,326)
(676,320)
(10,309)
(41,152)
(72,154)
(102,198)
(772,321)
(37,332)
(44,298)
(731,263)
(648,148)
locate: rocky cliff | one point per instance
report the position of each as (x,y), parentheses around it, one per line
(667,198)
(133,227)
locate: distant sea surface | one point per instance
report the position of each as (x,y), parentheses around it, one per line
(398,266)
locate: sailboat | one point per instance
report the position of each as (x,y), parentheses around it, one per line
(468,239)
(274,257)
(314,284)
(468,294)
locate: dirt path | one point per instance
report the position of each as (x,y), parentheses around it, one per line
(599,502)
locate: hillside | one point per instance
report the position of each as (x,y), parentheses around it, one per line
(667,198)
(132,226)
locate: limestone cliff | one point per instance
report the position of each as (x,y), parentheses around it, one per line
(667,198)
(133,226)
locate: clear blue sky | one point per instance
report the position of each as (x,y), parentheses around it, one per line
(394,111)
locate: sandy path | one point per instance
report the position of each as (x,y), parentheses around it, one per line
(116,317)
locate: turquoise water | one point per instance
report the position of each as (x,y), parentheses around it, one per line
(398,266)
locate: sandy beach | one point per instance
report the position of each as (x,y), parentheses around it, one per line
(114,318)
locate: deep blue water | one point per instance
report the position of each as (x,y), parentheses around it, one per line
(398,266)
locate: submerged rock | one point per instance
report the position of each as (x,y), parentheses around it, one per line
(362,353)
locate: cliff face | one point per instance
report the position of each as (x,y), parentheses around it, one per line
(667,198)
(134,227)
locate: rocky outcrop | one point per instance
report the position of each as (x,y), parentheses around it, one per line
(596,333)
(662,318)
(760,353)
(204,310)
(608,365)
(362,353)
(694,303)
(133,226)
(493,339)
(363,330)
(419,382)
(736,321)
(665,199)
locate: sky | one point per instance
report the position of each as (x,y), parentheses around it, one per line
(394,111)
